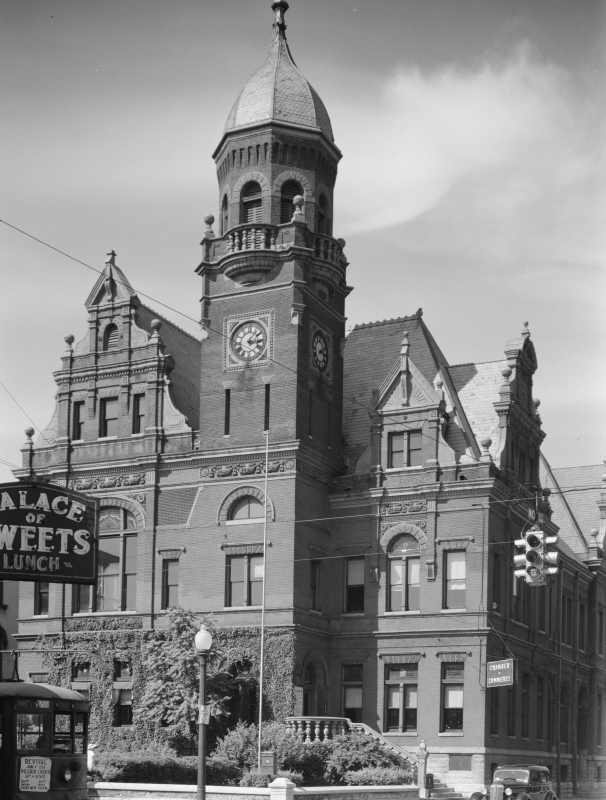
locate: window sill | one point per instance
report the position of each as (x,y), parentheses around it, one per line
(76,441)
(103,613)
(242,608)
(137,434)
(451,733)
(400,613)
(227,435)
(352,614)
(453,611)
(411,734)
(258,521)
(40,616)
(401,469)
(315,612)
(105,438)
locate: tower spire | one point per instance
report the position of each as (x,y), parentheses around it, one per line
(280,7)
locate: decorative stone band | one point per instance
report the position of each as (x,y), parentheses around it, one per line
(247,468)
(402,658)
(171,554)
(108,482)
(452,656)
(353,549)
(458,543)
(243,549)
(403,507)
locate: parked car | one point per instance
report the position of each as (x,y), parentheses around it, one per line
(519,782)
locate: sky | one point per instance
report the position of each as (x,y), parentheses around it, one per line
(472,182)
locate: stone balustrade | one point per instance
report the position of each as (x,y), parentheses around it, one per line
(251,237)
(312,728)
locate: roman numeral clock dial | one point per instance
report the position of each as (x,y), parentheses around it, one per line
(319,351)
(248,341)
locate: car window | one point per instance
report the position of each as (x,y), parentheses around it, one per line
(534,776)
(511,775)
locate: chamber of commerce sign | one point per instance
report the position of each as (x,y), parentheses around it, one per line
(500,673)
(47,533)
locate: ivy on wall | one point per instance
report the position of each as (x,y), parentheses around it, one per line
(101,644)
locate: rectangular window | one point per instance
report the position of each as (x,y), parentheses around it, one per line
(454,579)
(354,586)
(352,692)
(540,709)
(227,417)
(123,671)
(569,621)
(81,671)
(601,631)
(170,582)
(395,455)
(452,697)
(311,414)
(139,413)
(314,585)
(266,410)
(404,584)
(563,620)
(582,624)
(78,420)
(109,416)
(415,449)
(41,597)
(245,580)
(511,712)
(494,712)
(515,596)
(496,582)
(600,722)
(124,708)
(116,578)
(525,706)
(401,697)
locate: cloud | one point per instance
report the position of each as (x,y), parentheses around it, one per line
(511,144)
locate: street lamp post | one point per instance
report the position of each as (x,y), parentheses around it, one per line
(204,642)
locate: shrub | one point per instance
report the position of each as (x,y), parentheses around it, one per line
(221,772)
(378,776)
(146,767)
(356,751)
(253,779)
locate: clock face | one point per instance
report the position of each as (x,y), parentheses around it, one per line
(248,341)
(319,350)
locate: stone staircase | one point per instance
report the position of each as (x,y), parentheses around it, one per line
(441,791)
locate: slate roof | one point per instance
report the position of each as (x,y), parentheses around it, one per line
(575,512)
(478,388)
(278,92)
(371,351)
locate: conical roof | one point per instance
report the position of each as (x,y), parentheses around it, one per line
(278,92)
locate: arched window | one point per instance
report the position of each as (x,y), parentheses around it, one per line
(404,575)
(289,191)
(111,339)
(224,216)
(245,509)
(323,214)
(252,203)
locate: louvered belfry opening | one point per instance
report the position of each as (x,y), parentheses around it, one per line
(290,190)
(252,204)
(224,216)
(323,214)
(111,339)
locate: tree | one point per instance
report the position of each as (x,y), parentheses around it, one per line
(169,703)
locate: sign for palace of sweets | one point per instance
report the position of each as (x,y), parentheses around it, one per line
(47,533)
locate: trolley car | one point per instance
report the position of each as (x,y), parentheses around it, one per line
(43,742)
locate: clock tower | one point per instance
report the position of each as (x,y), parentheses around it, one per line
(273,276)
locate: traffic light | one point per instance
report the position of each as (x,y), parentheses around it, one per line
(534,563)
(550,557)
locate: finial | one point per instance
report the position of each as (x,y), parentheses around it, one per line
(419,313)
(208,221)
(536,402)
(546,492)
(298,204)
(29,432)
(111,258)
(156,324)
(486,442)
(69,340)
(526,332)
(506,373)
(280,8)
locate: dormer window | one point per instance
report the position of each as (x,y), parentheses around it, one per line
(252,204)
(290,190)
(405,450)
(111,339)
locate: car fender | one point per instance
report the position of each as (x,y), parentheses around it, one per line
(478,796)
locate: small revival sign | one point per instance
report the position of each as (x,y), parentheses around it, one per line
(47,533)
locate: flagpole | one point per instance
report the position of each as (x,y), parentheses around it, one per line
(262,660)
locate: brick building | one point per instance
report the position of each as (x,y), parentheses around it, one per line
(397,482)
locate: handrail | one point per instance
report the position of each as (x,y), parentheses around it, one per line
(361,726)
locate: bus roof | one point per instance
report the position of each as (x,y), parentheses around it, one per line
(24,689)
